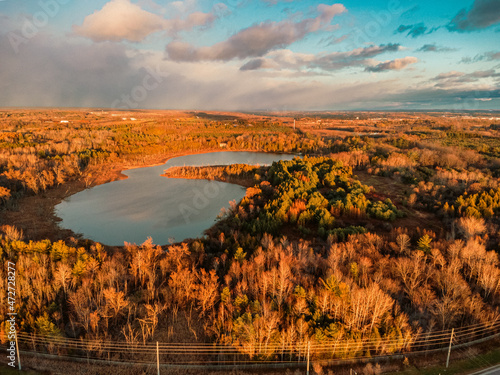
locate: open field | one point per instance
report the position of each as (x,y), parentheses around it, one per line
(385,230)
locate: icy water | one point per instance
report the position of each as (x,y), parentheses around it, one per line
(148,205)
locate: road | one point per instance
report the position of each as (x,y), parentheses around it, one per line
(494,370)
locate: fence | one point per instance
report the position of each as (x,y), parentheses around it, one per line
(259,355)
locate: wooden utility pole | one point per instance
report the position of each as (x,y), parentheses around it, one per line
(449,348)
(157,358)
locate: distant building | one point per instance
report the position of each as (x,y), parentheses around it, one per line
(222,144)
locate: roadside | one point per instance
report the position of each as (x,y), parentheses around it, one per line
(468,361)
(487,363)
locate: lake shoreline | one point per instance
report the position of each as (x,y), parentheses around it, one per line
(148,205)
(36,215)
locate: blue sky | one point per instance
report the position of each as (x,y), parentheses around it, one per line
(251,55)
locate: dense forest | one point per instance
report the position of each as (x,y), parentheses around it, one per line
(337,244)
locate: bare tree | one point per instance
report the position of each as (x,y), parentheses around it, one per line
(471,226)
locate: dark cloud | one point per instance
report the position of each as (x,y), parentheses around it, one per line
(257,40)
(487,56)
(403,28)
(448,75)
(484,13)
(491,73)
(359,56)
(456,79)
(256,64)
(460,99)
(435,48)
(328,62)
(415,30)
(396,64)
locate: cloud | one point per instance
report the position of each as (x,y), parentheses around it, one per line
(487,56)
(257,40)
(79,74)
(455,79)
(435,48)
(415,30)
(396,64)
(484,13)
(94,75)
(403,28)
(122,20)
(259,63)
(435,98)
(491,73)
(288,59)
(452,74)
(358,56)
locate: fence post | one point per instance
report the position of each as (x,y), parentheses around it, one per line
(449,348)
(18,356)
(157,358)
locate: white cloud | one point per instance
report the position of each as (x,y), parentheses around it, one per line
(122,20)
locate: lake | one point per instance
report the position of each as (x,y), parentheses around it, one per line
(148,205)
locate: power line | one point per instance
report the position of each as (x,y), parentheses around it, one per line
(211,354)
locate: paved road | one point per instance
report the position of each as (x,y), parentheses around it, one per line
(495,370)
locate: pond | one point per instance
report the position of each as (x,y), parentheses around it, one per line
(149,205)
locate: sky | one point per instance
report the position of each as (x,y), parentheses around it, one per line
(276,55)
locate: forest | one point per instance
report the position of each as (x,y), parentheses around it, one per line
(359,238)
